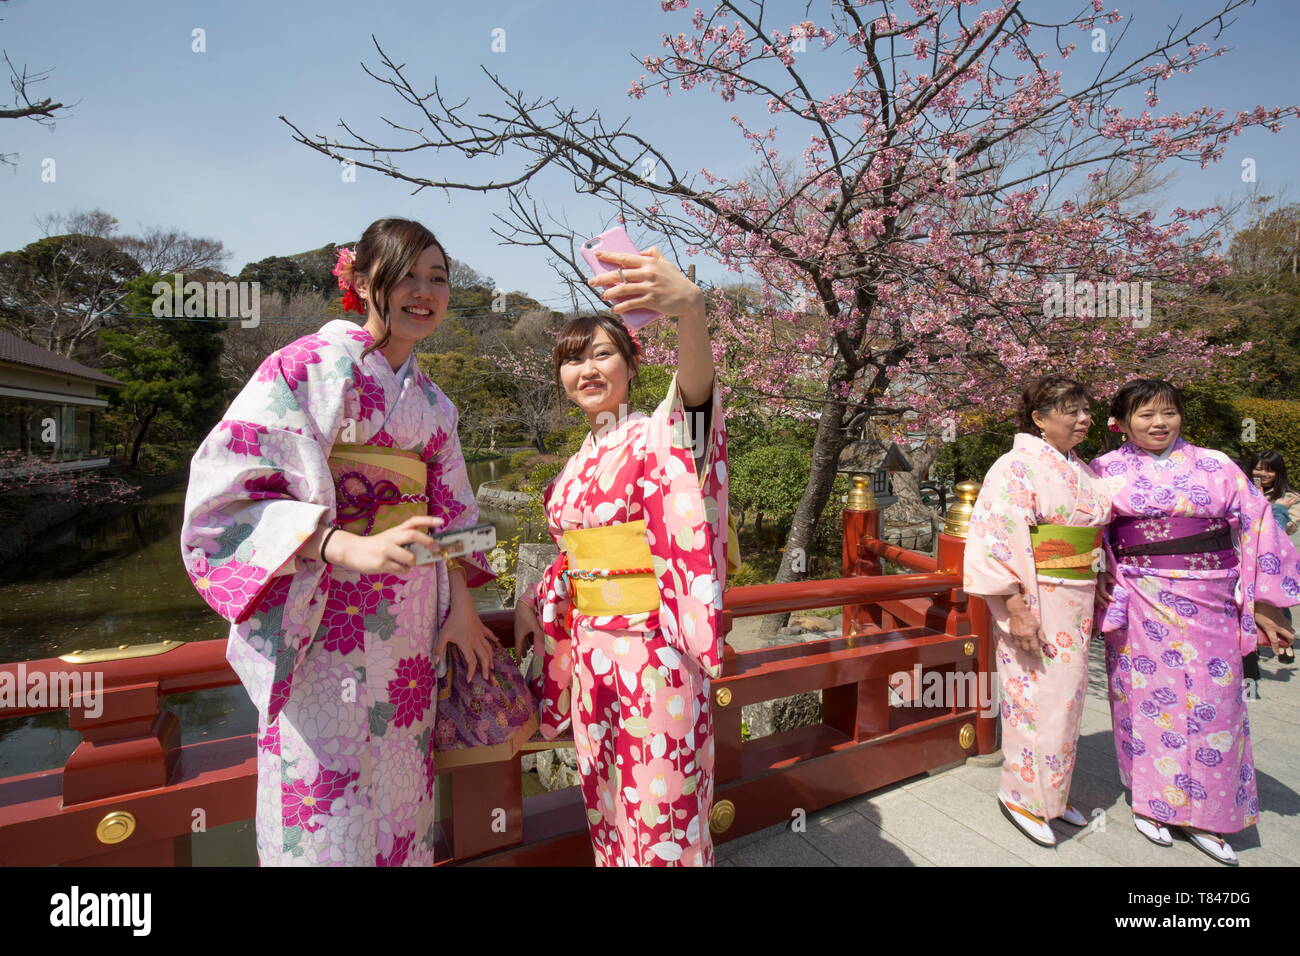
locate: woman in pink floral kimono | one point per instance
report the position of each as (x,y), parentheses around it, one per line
(1199,569)
(1032,554)
(626,623)
(336,457)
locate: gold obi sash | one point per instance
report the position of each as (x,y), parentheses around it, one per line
(377,488)
(1066,551)
(610,570)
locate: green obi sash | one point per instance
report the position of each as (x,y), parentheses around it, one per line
(1066,551)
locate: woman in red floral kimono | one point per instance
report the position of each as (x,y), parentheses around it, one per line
(628,618)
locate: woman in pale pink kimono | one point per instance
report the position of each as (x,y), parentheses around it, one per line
(336,634)
(1200,568)
(1031,553)
(627,623)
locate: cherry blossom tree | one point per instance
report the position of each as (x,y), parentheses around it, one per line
(949,173)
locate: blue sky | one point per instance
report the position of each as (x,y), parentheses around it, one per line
(163,136)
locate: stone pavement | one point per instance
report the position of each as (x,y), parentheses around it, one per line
(951,818)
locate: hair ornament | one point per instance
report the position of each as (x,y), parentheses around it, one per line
(343,269)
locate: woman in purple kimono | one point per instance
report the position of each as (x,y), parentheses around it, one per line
(336,457)
(1198,569)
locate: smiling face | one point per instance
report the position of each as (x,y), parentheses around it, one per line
(1065,426)
(1153,426)
(598,378)
(1263,476)
(417,304)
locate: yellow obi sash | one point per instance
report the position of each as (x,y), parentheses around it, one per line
(377,488)
(610,570)
(1066,551)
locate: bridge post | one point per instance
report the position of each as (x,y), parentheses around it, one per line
(132,746)
(958,613)
(487,807)
(861,520)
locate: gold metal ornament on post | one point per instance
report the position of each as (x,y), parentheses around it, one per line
(861,497)
(722,817)
(722,697)
(957,522)
(966,736)
(115,827)
(968,648)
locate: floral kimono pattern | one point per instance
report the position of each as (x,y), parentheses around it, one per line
(1042,692)
(338,663)
(635,688)
(1175,638)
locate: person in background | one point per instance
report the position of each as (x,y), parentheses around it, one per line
(1268,470)
(1250,672)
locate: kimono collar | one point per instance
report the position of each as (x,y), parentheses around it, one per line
(1032,444)
(355,339)
(1177,445)
(614,433)
(407,367)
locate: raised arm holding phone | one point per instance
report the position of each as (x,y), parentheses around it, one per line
(631,610)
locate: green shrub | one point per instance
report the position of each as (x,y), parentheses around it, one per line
(969,457)
(1210,417)
(516,461)
(747,575)
(1276,427)
(161,458)
(506,556)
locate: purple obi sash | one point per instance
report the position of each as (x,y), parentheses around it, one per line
(1173,543)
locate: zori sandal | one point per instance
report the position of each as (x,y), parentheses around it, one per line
(1157,833)
(1211,844)
(1034,827)
(1073,817)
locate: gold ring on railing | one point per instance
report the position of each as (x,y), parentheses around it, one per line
(722,817)
(115,827)
(722,696)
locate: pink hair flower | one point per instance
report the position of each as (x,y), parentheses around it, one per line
(343,269)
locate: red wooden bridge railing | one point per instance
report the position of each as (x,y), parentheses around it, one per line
(132,791)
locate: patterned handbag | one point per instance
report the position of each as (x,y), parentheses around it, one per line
(485,719)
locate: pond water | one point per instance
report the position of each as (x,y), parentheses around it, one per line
(118,579)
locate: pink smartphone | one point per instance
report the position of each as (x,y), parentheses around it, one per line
(616,240)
